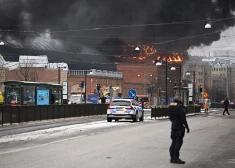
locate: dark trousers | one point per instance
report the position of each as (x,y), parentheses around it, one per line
(226,110)
(177,141)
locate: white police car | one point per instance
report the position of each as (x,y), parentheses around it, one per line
(125,109)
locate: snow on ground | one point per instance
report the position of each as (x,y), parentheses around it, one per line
(58,131)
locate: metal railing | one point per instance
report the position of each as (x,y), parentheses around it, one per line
(163,112)
(18,114)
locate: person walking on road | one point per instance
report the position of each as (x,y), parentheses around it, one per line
(226,104)
(179,123)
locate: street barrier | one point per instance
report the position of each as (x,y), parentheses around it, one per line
(18,114)
(220,105)
(163,111)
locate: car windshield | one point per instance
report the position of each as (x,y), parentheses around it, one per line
(120,103)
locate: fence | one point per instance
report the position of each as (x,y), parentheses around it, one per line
(220,105)
(162,112)
(19,114)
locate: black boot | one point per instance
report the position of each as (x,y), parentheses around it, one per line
(178,161)
(171,160)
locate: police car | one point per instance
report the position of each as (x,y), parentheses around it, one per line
(125,109)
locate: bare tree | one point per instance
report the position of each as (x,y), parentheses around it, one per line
(27,71)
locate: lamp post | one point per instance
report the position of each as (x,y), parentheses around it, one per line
(173,69)
(194,87)
(85,87)
(160,63)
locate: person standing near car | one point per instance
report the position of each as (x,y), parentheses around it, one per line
(103,99)
(226,104)
(178,125)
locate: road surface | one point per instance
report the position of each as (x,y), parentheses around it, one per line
(211,143)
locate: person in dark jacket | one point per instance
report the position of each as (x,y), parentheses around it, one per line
(179,123)
(226,104)
(103,99)
(142,103)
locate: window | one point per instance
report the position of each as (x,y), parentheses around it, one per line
(56,96)
(13,96)
(29,95)
(120,103)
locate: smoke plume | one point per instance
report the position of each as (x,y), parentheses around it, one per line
(38,26)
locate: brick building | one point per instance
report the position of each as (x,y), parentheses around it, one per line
(94,77)
(137,76)
(34,69)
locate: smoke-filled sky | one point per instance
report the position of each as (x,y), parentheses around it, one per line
(70,27)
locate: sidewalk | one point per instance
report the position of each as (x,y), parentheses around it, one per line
(8,129)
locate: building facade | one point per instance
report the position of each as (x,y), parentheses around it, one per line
(110,82)
(33,69)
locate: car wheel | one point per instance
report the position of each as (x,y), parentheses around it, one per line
(142,117)
(136,118)
(109,119)
(116,119)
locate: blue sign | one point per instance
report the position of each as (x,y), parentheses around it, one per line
(94,98)
(132,93)
(43,97)
(163,100)
(171,99)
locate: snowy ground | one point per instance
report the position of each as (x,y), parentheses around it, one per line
(58,131)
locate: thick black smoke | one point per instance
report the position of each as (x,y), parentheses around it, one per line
(45,18)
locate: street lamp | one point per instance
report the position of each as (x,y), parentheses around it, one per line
(160,63)
(137,48)
(173,69)
(1,43)
(194,87)
(208,26)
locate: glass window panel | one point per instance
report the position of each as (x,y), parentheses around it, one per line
(29,95)
(13,95)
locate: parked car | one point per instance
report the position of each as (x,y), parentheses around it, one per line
(125,109)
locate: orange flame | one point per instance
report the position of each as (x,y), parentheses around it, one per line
(146,52)
(175,59)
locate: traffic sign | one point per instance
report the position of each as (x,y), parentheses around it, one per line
(171,99)
(132,93)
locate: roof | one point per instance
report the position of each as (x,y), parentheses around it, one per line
(40,61)
(62,65)
(33,61)
(20,83)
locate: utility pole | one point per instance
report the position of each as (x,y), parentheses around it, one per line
(58,75)
(144,83)
(194,86)
(85,87)
(180,82)
(166,85)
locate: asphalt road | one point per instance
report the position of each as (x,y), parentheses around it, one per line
(211,143)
